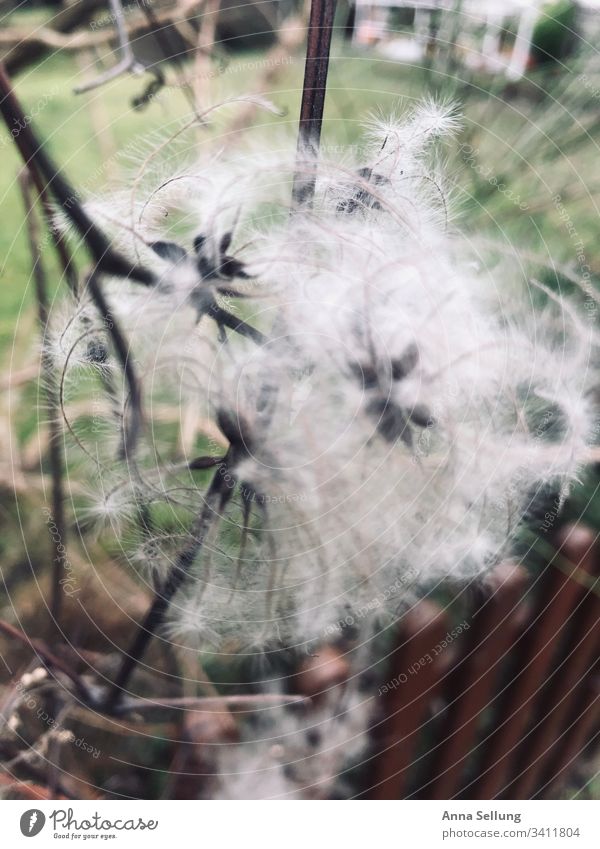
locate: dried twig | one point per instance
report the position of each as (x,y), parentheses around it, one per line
(31,792)
(230,704)
(154,618)
(42,37)
(46,175)
(47,657)
(59,538)
(66,19)
(19,378)
(128,64)
(163,41)
(204,45)
(289,38)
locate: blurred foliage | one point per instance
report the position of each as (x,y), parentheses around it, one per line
(556,33)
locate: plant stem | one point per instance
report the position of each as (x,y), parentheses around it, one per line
(130,430)
(52,395)
(238,325)
(127,62)
(163,597)
(320,28)
(229,704)
(46,177)
(46,174)
(47,657)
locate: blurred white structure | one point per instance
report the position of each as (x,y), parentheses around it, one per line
(487,17)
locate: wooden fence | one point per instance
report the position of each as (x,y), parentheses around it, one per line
(504,704)
(501,700)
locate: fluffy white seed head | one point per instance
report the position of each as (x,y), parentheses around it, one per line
(411,395)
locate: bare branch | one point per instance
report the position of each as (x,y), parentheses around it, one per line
(47,656)
(229,704)
(128,64)
(162,600)
(47,176)
(59,538)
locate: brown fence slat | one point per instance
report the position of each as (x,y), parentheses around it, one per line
(583,726)
(494,625)
(569,677)
(559,597)
(405,706)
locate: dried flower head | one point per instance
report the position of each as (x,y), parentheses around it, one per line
(391,403)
